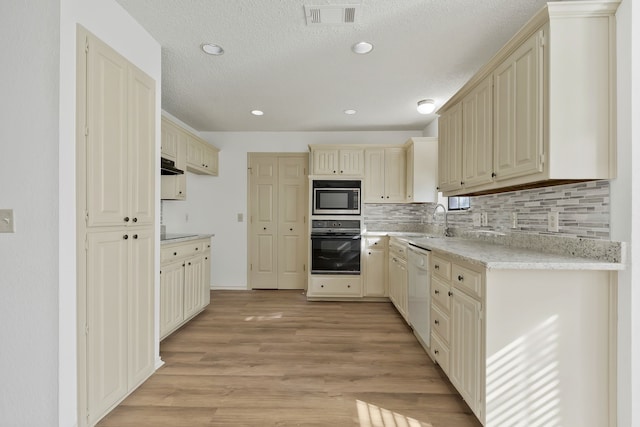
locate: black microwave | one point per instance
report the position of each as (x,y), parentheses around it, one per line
(336,197)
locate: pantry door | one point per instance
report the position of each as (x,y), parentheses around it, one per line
(277,228)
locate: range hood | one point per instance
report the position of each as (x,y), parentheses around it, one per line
(168,167)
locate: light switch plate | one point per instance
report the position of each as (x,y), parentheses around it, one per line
(6,221)
(240,217)
(476,219)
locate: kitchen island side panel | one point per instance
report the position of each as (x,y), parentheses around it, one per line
(547,346)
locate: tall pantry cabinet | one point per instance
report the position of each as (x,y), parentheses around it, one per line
(116,199)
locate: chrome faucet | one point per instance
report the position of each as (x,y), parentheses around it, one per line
(446,223)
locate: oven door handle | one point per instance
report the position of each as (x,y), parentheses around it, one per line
(335,236)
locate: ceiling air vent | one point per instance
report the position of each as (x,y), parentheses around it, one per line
(332,14)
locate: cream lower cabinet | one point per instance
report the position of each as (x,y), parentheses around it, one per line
(374,260)
(514,341)
(185,273)
(119,315)
(334,286)
(398,276)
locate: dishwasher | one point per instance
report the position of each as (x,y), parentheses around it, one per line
(419,294)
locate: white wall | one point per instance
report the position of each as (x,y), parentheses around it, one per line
(213,202)
(28,185)
(625,205)
(109,22)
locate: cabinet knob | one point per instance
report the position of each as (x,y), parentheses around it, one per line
(437,292)
(180,192)
(264,228)
(135,236)
(135,219)
(125,237)
(175,253)
(437,322)
(437,188)
(291,229)
(375,243)
(189,263)
(382,197)
(126,219)
(436,352)
(493,175)
(387,197)
(450,293)
(460,278)
(461,182)
(322,286)
(197,249)
(206,257)
(334,171)
(437,267)
(369,252)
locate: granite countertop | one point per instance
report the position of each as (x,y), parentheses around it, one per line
(498,256)
(182,237)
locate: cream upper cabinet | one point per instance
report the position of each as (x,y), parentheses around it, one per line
(337,161)
(202,158)
(553,106)
(477,135)
(518,101)
(450,149)
(171,136)
(385,176)
(174,147)
(422,170)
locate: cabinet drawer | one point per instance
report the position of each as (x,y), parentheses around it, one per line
(375,242)
(335,286)
(440,353)
(467,280)
(182,250)
(397,249)
(440,294)
(440,267)
(439,323)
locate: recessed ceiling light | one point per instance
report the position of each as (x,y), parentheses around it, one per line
(426,106)
(212,49)
(350,112)
(362,48)
(257,112)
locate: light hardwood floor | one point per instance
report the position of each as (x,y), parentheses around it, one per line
(270,358)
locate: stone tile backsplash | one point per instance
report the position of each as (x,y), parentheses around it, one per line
(583,210)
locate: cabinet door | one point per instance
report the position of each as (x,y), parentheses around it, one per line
(193,279)
(141,305)
(374,176)
(169,140)
(171,297)
(351,162)
(141,151)
(325,162)
(211,160)
(375,284)
(195,154)
(477,135)
(107,325)
(173,187)
(107,151)
(450,149)
(206,279)
(403,291)
(518,101)
(465,371)
(395,175)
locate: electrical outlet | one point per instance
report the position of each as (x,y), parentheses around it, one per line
(6,221)
(553,220)
(514,219)
(484,219)
(476,219)
(240,217)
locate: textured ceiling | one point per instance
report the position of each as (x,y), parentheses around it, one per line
(304,77)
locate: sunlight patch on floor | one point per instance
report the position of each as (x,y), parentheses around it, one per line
(273,316)
(371,415)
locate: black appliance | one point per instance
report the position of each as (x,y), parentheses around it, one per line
(168,167)
(335,247)
(336,197)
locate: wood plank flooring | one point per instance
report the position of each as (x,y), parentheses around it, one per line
(270,358)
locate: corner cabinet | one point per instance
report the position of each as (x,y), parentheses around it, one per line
(422,170)
(545,127)
(185,272)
